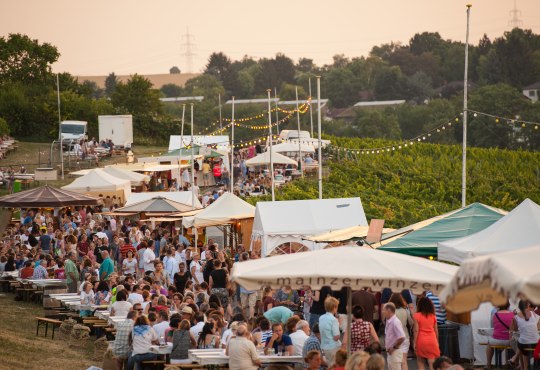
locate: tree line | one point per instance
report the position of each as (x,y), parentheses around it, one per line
(427,72)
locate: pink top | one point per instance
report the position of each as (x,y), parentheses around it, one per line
(393,331)
(500,331)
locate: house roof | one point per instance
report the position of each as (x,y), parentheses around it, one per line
(534,86)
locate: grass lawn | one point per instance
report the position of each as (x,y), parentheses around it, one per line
(21,349)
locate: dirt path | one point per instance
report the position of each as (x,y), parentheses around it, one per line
(21,349)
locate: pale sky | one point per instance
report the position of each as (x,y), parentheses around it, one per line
(97,37)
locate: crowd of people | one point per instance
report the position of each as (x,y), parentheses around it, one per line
(170,291)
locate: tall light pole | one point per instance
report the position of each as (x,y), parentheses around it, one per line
(310,109)
(192,164)
(465,97)
(277,111)
(220,125)
(270,138)
(232,149)
(60,125)
(182,130)
(319,133)
(299,141)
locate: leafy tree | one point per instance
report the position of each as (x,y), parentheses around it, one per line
(110,84)
(339,87)
(340,61)
(377,123)
(426,42)
(305,65)
(288,92)
(4,127)
(389,83)
(204,85)
(136,97)
(218,65)
(174,70)
(25,60)
(419,87)
(171,90)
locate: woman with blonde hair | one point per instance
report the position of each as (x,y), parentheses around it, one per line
(375,362)
(357,361)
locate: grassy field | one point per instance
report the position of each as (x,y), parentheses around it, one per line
(21,349)
(35,155)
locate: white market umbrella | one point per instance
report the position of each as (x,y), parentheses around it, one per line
(354,267)
(264,159)
(495,278)
(292,147)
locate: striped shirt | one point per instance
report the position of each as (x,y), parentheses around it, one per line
(440,311)
(311,344)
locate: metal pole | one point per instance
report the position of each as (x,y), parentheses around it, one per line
(300,164)
(310,109)
(465,88)
(60,125)
(277,111)
(192,164)
(182,130)
(219,99)
(232,148)
(270,138)
(349,319)
(319,133)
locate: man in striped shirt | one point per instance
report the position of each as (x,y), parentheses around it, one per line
(440,311)
(313,343)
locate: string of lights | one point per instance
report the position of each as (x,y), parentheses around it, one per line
(510,121)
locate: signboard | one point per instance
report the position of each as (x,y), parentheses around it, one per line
(46,174)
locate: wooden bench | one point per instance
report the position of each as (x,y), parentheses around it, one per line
(43,321)
(183,366)
(498,351)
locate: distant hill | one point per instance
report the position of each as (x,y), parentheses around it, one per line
(158,80)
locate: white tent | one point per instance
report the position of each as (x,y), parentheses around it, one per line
(263,159)
(355,267)
(282,222)
(518,229)
(226,209)
(178,142)
(134,177)
(184,197)
(98,182)
(292,147)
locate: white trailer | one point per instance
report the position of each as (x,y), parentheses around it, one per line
(118,128)
(72,131)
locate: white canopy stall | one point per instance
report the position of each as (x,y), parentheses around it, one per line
(226,209)
(98,182)
(278,223)
(263,159)
(184,197)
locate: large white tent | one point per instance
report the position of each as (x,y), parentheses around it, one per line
(518,229)
(226,209)
(184,197)
(98,182)
(134,177)
(263,159)
(282,222)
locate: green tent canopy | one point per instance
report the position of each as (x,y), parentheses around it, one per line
(213,154)
(184,152)
(422,241)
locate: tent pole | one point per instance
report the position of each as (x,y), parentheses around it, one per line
(270,138)
(349,319)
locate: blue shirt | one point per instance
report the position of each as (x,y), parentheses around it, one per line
(440,311)
(329,328)
(278,314)
(283,343)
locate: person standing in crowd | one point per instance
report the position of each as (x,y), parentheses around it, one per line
(394,338)
(362,332)
(248,298)
(404,316)
(72,273)
(426,334)
(242,352)
(195,269)
(317,308)
(365,299)
(148,257)
(107,266)
(440,311)
(329,328)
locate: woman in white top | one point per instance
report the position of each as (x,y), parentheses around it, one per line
(528,325)
(129,264)
(196,269)
(87,298)
(143,336)
(121,307)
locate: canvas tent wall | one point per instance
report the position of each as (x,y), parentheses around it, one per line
(184,197)
(226,209)
(98,182)
(518,229)
(422,241)
(282,222)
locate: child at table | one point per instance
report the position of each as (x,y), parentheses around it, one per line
(87,299)
(60,273)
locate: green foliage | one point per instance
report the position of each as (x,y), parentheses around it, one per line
(136,97)
(377,124)
(24,60)
(4,128)
(171,90)
(423,180)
